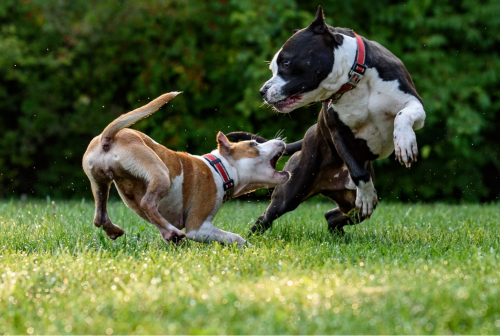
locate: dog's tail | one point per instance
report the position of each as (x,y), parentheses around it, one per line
(130,118)
(290,148)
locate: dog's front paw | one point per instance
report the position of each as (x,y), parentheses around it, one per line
(113,231)
(173,236)
(405,145)
(242,243)
(366,198)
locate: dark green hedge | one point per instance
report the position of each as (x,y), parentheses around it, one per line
(67,68)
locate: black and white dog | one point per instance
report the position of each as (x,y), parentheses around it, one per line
(370,108)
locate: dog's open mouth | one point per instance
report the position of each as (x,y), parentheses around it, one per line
(276,158)
(274,161)
(287,102)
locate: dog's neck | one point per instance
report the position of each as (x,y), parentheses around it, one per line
(344,57)
(231,170)
(242,184)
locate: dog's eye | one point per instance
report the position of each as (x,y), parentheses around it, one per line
(285,64)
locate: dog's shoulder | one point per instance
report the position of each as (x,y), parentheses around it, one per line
(199,186)
(389,67)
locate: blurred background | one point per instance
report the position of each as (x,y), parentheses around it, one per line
(68,68)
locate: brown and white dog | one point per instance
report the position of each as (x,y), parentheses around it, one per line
(174,190)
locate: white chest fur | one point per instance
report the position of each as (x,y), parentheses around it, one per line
(369,111)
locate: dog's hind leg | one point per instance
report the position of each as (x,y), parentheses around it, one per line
(346,213)
(100,189)
(157,188)
(100,177)
(144,165)
(131,160)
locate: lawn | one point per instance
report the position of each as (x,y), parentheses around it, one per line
(410,269)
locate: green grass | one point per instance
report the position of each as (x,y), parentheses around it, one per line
(415,269)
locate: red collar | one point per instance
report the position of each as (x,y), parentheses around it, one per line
(228,183)
(357,71)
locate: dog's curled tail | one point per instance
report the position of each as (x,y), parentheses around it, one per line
(130,118)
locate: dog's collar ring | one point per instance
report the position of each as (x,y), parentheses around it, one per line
(227,182)
(355,74)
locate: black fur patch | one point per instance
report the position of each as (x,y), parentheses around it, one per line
(354,151)
(389,67)
(311,60)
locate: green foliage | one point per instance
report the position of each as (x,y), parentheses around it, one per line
(67,68)
(408,270)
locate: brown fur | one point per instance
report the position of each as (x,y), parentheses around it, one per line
(141,177)
(198,188)
(172,190)
(243,150)
(198,191)
(235,150)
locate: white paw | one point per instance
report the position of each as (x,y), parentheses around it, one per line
(405,145)
(245,244)
(366,198)
(236,239)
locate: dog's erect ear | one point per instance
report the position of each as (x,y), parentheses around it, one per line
(319,25)
(223,143)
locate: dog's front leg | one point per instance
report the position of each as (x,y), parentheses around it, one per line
(411,118)
(343,140)
(157,188)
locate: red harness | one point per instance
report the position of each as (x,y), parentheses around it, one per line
(357,71)
(228,183)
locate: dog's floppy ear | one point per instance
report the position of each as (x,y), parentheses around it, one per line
(319,25)
(224,145)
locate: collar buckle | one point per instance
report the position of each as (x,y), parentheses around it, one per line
(357,72)
(228,187)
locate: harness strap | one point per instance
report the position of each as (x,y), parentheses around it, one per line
(228,183)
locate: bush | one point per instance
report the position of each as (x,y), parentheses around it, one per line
(67,68)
